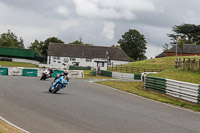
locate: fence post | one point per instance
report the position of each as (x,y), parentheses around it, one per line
(199,64)
(189,64)
(183,67)
(121,67)
(112,66)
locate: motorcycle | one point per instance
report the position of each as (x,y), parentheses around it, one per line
(58,84)
(46,74)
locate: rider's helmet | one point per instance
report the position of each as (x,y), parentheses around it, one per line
(65,72)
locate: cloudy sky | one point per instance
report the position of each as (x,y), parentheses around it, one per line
(99,22)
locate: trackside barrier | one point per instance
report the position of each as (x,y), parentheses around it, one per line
(3,71)
(137,76)
(122,75)
(154,83)
(15,71)
(183,90)
(56,72)
(29,72)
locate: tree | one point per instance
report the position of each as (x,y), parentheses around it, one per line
(36,46)
(190,33)
(45,44)
(165,47)
(115,46)
(180,44)
(79,42)
(10,40)
(134,44)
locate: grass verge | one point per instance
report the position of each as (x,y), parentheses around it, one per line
(138,89)
(6,128)
(16,64)
(180,75)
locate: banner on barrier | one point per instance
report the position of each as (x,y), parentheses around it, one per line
(15,71)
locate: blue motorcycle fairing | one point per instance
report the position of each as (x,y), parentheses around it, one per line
(58,81)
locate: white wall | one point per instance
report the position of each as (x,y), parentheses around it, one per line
(82,62)
(116,62)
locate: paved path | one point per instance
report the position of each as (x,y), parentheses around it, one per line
(84,107)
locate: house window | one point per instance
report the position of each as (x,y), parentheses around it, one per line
(72,59)
(100,64)
(56,58)
(88,60)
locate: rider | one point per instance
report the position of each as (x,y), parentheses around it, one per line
(65,74)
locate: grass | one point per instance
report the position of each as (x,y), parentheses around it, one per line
(16,64)
(180,75)
(157,63)
(169,71)
(138,89)
(6,128)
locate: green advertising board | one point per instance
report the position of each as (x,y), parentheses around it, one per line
(3,71)
(56,72)
(29,72)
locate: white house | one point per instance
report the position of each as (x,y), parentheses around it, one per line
(63,55)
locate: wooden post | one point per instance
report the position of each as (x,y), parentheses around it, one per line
(183,64)
(112,65)
(189,64)
(199,65)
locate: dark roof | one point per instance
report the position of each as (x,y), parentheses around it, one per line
(160,55)
(82,51)
(187,49)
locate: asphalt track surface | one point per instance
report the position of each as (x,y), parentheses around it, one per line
(85,107)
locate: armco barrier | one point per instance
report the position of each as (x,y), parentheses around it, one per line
(199,95)
(178,89)
(154,83)
(29,72)
(122,75)
(183,90)
(3,71)
(137,76)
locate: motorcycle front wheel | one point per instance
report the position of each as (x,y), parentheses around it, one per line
(57,88)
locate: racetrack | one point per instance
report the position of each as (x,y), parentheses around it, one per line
(84,107)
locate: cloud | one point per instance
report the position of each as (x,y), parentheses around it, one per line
(63,10)
(100,22)
(108,29)
(112,9)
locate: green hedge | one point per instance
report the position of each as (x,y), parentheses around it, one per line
(79,68)
(106,73)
